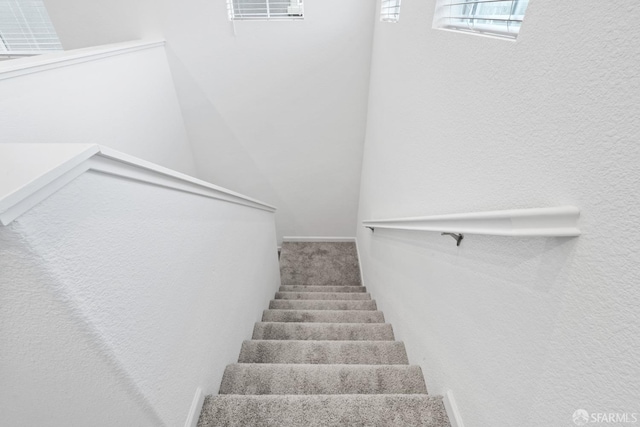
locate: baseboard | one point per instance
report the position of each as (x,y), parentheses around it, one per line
(196,408)
(452,410)
(359,263)
(318,239)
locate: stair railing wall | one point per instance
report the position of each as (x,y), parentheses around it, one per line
(126,287)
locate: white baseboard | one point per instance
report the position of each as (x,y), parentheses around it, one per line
(360,264)
(196,408)
(452,410)
(318,239)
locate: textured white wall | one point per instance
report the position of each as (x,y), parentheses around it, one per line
(276,111)
(127,102)
(524,331)
(121,298)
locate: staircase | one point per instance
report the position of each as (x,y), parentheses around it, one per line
(322,355)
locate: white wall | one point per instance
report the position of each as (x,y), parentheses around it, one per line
(276,111)
(121,298)
(524,331)
(126,101)
(92,23)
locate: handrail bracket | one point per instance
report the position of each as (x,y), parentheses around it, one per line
(458,237)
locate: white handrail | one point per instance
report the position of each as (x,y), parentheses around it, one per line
(544,222)
(59,59)
(29,173)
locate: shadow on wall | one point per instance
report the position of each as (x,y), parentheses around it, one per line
(533,263)
(202,119)
(42,320)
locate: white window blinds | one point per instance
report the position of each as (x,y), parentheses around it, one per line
(25,28)
(390,11)
(501,18)
(265,9)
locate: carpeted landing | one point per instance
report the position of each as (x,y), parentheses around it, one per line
(322,355)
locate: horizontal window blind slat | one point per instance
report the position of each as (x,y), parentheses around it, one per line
(25,26)
(485,18)
(390,11)
(265,9)
(458,3)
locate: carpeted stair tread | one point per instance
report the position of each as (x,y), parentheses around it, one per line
(322,289)
(324,352)
(323,331)
(252,379)
(322,355)
(384,410)
(324,295)
(323,316)
(289,304)
(319,263)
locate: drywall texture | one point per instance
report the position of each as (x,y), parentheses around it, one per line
(275,110)
(523,331)
(127,102)
(120,299)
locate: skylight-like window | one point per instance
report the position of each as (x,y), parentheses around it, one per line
(26,29)
(390,11)
(501,18)
(265,9)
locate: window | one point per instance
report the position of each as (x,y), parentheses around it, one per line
(25,28)
(265,9)
(501,18)
(390,11)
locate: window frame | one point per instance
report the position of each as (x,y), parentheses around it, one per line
(19,27)
(292,5)
(386,14)
(472,21)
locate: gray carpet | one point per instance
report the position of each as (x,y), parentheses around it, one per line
(322,355)
(319,264)
(281,304)
(323,331)
(324,295)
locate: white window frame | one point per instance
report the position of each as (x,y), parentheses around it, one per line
(295,10)
(475,16)
(23,35)
(390,11)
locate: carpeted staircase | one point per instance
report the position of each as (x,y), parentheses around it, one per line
(322,355)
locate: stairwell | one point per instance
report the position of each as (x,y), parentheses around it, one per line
(322,355)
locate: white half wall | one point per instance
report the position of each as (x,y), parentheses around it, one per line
(275,110)
(120,299)
(121,96)
(524,331)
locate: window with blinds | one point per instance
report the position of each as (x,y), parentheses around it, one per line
(501,18)
(390,11)
(25,28)
(265,9)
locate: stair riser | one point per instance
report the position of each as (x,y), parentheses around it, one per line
(323,296)
(323,316)
(282,304)
(325,289)
(323,331)
(388,410)
(258,379)
(324,352)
